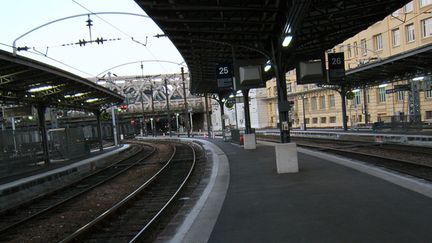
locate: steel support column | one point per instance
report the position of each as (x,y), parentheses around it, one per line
(42,128)
(153,121)
(365,105)
(222,112)
(168,108)
(246,110)
(207,115)
(283,104)
(185,104)
(344,112)
(99,129)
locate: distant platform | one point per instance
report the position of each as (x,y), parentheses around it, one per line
(23,188)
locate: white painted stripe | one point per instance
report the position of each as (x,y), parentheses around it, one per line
(411,183)
(199,223)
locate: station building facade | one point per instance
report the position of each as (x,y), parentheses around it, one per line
(406,29)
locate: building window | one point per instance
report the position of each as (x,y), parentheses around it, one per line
(428,115)
(381,95)
(307,120)
(425,2)
(359,118)
(400,95)
(409,30)
(349,50)
(378,43)
(429,94)
(396,37)
(409,7)
(289,88)
(331,101)
(357,98)
(363,46)
(355,48)
(314,103)
(322,102)
(395,13)
(314,120)
(332,119)
(323,120)
(426,25)
(367,96)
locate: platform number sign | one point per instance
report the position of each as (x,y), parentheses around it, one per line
(336,65)
(224,75)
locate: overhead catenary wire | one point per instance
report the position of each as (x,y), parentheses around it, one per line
(58,61)
(121,31)
(108,23)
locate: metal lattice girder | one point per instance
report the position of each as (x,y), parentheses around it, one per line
(138,88)
(204,31)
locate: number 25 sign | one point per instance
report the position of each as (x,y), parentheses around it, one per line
(224,75)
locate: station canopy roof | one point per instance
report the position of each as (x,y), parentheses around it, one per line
(403,66)
(26,81)
(206,32)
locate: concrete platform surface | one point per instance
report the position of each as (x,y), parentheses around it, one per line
(324,202)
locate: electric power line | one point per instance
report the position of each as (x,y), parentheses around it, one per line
(131,37)
(58,61)
(115,27)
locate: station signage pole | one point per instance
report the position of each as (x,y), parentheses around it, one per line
(336,65)
(224,77)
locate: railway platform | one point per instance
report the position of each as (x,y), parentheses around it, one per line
(331,199)
(23,186)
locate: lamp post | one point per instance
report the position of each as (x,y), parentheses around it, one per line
(152,126)
(185,104)
(113,115)
(304,113)
(168,107)
(177,122)
(153,110)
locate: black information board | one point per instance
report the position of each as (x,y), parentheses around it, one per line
(336,65)
(224,75)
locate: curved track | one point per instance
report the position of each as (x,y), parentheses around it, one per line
(38,207)
(131,218)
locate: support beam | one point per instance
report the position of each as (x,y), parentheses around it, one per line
(344,112)
(114,126)
(365,105)
(246,111)
(168,107)
(207,115)
(99,129)
(282,96)
(222,113)
(42,128)
(185,104)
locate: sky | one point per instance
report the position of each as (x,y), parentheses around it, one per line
(17,17)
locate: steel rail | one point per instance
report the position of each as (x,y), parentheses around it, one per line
(84,229)
(141,232)
(87,227)
(67,199)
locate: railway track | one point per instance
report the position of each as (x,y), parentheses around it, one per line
(130,219)
(13,218)
(403,164)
